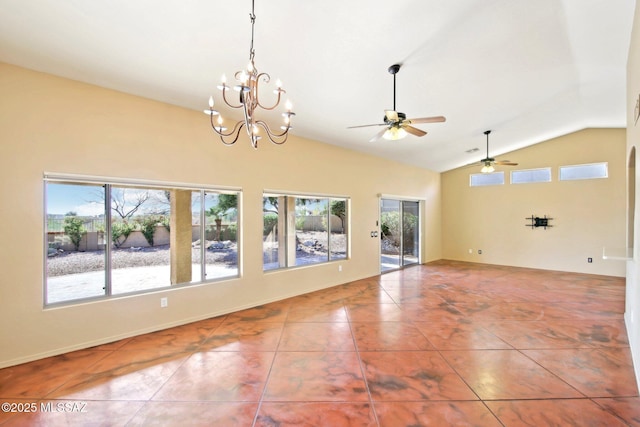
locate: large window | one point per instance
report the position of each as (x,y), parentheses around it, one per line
(110,238)
(301,230)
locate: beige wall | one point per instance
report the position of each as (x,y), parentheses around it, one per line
(587,215)
(56,125)
(632,312)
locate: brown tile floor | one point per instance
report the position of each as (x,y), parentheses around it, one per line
(442,344)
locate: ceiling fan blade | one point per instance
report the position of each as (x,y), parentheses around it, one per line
(505,163)
(366,126)
(378,135)
(435,119)
(391,115)
(473,165)
(414,131)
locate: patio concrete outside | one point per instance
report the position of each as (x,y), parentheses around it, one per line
(123,280)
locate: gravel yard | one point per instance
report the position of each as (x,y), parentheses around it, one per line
(310,245)
(77,275)
(82,262)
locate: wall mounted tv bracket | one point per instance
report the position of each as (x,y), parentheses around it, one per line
(536,221)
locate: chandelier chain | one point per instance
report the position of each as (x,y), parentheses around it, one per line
(252,16)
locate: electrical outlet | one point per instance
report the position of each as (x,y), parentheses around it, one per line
(470,251)
(339,268)
(164,301)
(479,251)
(589,260)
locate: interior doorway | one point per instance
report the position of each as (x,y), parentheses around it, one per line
(399,233)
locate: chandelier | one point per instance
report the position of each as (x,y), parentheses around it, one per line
(248,88)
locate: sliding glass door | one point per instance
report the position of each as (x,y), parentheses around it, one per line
(399,233)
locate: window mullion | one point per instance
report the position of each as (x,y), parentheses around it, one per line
(290,226)
(401,232)
(329,232)
(107,239)
(203,235)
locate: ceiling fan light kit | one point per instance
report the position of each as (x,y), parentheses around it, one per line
(394,133)
(487,168)
(397,124)
(248,88)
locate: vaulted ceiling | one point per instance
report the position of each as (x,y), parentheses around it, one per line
(527,70)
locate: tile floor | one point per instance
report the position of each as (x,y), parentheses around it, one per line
(443,344)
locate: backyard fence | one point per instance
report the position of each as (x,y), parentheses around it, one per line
(95,240)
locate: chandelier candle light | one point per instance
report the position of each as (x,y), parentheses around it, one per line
(248,88)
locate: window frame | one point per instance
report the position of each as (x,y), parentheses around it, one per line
(290,262)
(496,173)
(548,168)
(107,183)
(584,165)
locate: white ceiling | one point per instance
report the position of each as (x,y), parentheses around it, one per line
(527,70)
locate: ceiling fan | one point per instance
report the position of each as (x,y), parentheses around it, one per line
(397,126)
(488,162)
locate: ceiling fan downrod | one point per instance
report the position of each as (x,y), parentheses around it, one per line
(487,132)
(394,70)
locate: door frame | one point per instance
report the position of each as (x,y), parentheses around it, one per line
(421,210)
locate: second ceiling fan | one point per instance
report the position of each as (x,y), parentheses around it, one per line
(396,123)
(488,162)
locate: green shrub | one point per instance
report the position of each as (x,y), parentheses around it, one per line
(231,232)
(270,223)
(148,227)
(339,209)
(120,232)
(74,229)
(166,222)
(390,227)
